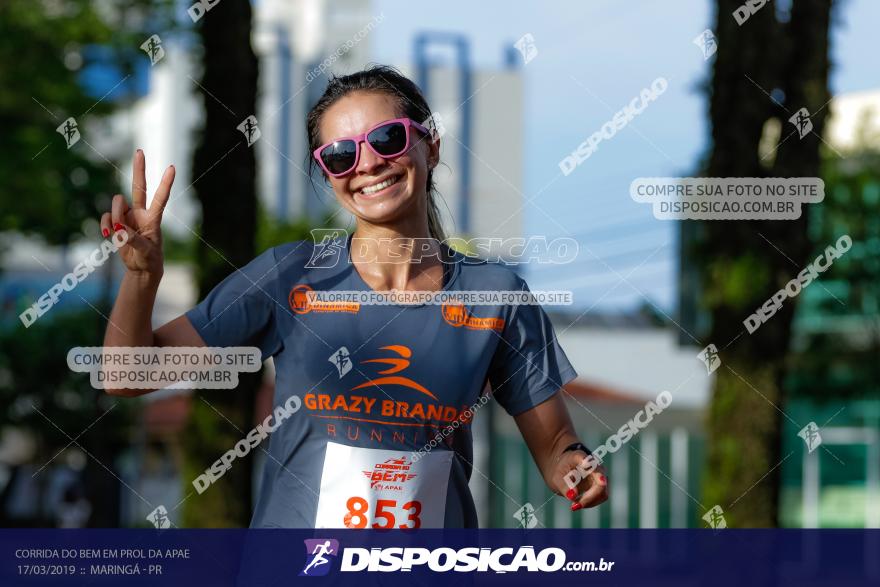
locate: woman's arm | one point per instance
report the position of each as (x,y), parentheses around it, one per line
(547,430)
(130,321)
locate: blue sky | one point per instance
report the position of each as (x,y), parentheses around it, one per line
(593,58)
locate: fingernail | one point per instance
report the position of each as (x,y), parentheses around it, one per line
(105,232)
(603,480)
(575,507)
(570,494)
(117,227)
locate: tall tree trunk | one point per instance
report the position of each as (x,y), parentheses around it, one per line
(224,169)
(740,268)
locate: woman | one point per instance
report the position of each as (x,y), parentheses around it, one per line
(383,437)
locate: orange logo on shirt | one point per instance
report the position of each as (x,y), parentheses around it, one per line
(301,303)
(397,364)
(458,316)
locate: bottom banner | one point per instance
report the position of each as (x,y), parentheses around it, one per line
(434,557)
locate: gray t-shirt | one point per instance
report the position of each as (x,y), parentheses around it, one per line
(383,435)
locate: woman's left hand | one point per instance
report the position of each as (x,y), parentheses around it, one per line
(590,491)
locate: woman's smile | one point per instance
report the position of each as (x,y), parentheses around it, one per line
(380,186)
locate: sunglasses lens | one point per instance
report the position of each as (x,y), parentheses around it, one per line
(388,140)
(339,157)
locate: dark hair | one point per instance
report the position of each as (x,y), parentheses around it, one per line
(410,101)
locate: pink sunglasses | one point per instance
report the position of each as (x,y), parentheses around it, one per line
(387,140)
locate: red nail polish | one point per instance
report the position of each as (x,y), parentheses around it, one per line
(570,494)
(105,232)
(603,480)
(117,227)
(575,507)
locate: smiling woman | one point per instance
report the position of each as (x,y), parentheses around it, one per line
(386,386)
(386,113)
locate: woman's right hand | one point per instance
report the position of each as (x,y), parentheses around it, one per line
(142,253)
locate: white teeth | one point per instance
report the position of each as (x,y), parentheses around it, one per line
(379,186)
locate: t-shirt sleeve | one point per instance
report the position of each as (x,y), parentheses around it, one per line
(529,365)
(241,309)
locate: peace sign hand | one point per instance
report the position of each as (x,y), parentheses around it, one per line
(142,253)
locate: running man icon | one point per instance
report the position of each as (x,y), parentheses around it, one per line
(317,551)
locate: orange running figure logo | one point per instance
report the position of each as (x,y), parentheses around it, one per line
(398,364)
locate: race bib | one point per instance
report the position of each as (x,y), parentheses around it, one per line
(382,489)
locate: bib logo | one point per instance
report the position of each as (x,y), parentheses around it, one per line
(317,551)
(301,303)
(390,475)
(458,316)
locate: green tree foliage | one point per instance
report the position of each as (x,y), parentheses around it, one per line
(40,395)
(45,188)
(838,323)
(740,268)
(50,191)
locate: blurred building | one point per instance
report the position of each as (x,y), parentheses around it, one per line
(855,121)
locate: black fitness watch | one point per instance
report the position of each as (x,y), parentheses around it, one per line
(575,446)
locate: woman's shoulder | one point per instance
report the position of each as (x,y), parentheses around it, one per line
(283,259)
(489,274)
(294,252)
(302,256)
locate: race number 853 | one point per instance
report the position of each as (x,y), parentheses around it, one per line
(387,514)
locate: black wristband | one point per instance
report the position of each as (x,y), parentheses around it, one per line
(575,446)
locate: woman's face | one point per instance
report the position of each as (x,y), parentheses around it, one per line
(405,198)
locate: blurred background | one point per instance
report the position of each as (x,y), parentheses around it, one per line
(518,86)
